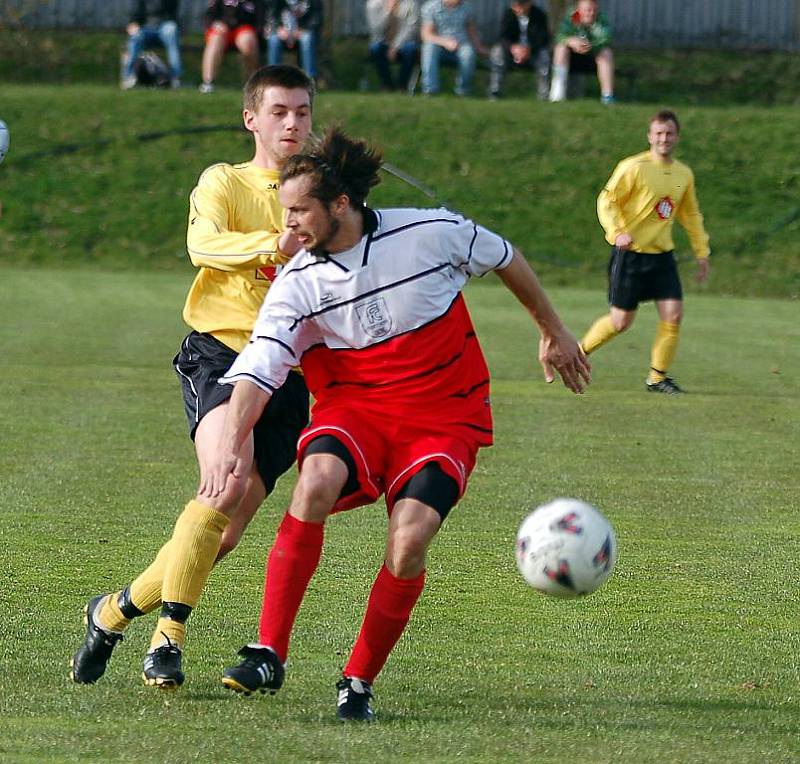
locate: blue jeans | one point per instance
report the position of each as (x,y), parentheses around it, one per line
(165,33)
(464,58)
(307,51)
(406,57)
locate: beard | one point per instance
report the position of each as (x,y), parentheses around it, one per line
(320,246)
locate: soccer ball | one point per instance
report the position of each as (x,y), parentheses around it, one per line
(566,548)
(5,138)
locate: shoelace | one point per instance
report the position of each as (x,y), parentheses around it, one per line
(170,647)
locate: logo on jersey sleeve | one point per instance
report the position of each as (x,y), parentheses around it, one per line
(374,317)
(664,208)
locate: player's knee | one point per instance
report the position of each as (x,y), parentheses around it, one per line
(316,492)
(405,556)
(229,499)
(621,323)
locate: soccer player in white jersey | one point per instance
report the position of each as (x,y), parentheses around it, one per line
(371,308)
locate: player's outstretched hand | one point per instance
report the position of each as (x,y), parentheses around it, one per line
(561,353)
(215,473)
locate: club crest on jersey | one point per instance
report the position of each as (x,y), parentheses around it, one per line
(374,317)
(664,208)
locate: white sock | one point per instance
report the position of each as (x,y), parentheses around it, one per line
(558,83)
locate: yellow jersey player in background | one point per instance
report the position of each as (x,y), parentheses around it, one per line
(637,209)
(237,240)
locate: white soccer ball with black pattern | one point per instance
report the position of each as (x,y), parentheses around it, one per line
(5,139)
(566,548)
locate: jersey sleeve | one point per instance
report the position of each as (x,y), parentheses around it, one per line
(690,217)
(280,338)
(477,250)
(612,199)
(210,240)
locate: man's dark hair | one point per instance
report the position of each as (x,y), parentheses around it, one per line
(337,165)
(666,115)
(282,76)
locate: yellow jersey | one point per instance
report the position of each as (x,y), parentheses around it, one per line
(643,197)
(235,220)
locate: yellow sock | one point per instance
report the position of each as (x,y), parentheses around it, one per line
(145,595)
(108,616)
(146,587)
(665,345)
(193,549)
(600,332)
(166,629)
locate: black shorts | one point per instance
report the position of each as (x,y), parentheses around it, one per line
(635,277)
(582,63)
(202,360)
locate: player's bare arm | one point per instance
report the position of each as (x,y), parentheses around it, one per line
(244,409)
(558,349)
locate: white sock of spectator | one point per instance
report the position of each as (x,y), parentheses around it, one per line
(558,83)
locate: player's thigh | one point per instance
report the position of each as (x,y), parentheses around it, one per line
(206,444)
(278,429)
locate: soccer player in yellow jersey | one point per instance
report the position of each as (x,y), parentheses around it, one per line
(236,238)
(637,209)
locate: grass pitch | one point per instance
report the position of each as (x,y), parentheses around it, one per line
(529,170)
(688,654)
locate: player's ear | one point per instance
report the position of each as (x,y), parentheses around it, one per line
(340,204)
(249,119)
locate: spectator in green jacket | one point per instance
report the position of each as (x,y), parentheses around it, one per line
(583,44)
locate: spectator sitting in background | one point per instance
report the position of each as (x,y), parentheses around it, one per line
(295,24)
(449,35)
(393,29)
(231,24)
(524,42)
(152,22)
(583,45)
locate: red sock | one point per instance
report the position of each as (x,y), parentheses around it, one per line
(292,561)
(390,604)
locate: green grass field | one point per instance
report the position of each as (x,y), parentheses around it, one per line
(688,654)
(524,168)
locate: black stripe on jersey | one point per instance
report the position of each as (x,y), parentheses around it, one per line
(318,261)
(472,243)
(377,290)
(506,253)
(467,393)
(415,224)
(257,381)
(487,430)
(277,342)
(365,259)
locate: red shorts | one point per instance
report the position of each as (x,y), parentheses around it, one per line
(388,452)
(231,35)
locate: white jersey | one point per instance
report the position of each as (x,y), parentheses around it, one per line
(382,319)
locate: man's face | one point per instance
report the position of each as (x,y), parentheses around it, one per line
(281,124)
(306,217)
(521,8)
(662,137)
(587,11)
